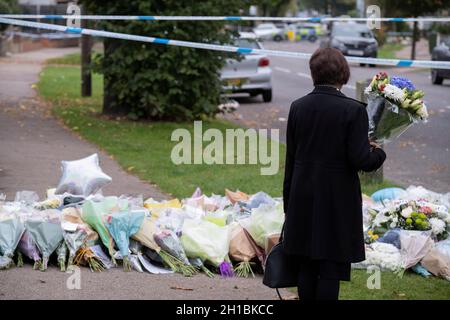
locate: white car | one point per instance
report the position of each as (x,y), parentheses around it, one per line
(269,31)
(252,74)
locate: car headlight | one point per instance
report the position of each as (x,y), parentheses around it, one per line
(337,44)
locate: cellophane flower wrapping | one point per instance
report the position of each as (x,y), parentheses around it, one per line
(74,241)
(242,248)
(206,241)
(386,120)
(94,213)
(264,221)
(145,234)
(123,225)
(414,246)
(28,247)
(47,235)
(169,242)
(11,230)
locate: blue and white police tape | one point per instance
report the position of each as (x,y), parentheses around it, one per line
(222,18)
(197,45)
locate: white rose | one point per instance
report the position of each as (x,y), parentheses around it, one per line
(423,112)
(406,213)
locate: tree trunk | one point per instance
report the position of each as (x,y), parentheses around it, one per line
(86,51)
(110,105)
(86,76)
(414,39)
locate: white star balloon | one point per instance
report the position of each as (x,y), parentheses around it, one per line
(82,177)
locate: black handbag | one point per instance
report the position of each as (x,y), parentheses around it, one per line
(280,271)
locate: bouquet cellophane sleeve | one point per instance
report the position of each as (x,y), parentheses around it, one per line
(241,247)
(73,215)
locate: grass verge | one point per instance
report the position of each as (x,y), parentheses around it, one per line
(389,50)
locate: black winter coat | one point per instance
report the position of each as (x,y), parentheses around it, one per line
(327,144)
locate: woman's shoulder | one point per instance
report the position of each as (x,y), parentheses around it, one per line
(341,99)
(355,102)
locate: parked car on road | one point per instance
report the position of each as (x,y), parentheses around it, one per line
(252,74)
(441,53)
(352,39)
(268,31)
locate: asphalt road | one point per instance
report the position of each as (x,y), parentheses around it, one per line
(419,157)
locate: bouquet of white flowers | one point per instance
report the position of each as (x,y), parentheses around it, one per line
(410,215)
(394,104)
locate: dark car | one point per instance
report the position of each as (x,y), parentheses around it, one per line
(352,39)
(441,53)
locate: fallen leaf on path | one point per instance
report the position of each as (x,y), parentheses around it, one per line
(181,288)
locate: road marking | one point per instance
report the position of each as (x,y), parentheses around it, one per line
(283,70)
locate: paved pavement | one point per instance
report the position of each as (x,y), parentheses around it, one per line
(32,144)
(26,283)
(420,156)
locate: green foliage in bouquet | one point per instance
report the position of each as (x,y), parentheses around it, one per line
(153,81)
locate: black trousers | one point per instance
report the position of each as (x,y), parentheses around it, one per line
(316,281)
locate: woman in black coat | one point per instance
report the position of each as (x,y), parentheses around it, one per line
(327,144)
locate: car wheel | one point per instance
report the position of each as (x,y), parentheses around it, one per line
(277,38)
(435,78)
(267,95)
(362,64)
(372,65)
(312,38)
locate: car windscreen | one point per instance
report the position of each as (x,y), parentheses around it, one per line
(247,43)
(351,31)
